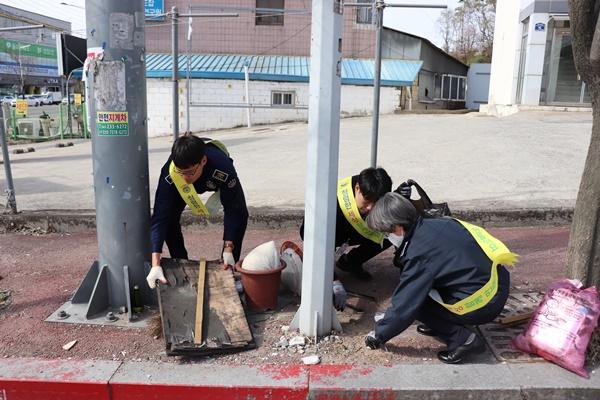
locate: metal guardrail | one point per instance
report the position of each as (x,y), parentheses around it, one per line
(52,127)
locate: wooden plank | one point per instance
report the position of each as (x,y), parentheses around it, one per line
(200,302)
(516,318)
(225,302)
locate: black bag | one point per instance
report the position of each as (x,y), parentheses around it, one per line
(423,204)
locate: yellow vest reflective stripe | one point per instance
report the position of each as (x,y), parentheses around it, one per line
(499,254)
(188,192)
(345,196)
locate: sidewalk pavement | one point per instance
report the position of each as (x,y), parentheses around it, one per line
(111,362)
(529,160)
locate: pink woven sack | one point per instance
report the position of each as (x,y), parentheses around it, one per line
(562,325)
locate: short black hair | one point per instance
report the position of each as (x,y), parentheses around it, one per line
(374,183)
(187,151)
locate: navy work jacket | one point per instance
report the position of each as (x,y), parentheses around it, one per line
(218,174)
(437,253)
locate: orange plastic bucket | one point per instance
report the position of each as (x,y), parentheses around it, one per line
(261,287)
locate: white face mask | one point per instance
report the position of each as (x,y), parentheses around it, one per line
(396,240)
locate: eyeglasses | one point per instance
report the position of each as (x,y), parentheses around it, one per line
(188,173)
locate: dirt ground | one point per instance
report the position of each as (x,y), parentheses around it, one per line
(42,270)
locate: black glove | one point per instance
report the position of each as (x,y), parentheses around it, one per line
(404,190)
(371,341)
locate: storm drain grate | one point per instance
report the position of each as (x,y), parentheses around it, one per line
(498,336)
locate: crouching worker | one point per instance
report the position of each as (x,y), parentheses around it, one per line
(196,167)
(356,195)
(452,277)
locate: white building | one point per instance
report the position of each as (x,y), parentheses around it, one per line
(532,62)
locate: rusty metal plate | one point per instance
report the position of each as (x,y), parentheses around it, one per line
(498,336)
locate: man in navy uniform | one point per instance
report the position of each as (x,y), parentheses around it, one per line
(356,196)
(195,167)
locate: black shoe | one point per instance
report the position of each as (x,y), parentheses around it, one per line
(472,345)
(427,331)
(357,271)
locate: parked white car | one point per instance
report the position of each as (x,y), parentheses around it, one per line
(32,100)
(7,99)
(46,98)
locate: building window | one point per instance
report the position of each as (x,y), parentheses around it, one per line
(269,12)
(364,15)
(450,87)
(282,99)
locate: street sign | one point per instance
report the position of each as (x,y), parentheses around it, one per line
(154,9)
(540,27)
(112,123)
(21,108)
(77,99)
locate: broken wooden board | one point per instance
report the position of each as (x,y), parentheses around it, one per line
(224,327)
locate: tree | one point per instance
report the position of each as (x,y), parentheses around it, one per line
(465,39)
(583,254)
(468,30)
(484,15)
(445,28)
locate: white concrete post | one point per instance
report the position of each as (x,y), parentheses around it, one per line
(534,63)
(316,315)
(505,56)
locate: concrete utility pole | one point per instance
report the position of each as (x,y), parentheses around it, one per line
(316,316)
(117,103)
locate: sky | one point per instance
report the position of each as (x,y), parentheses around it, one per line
(420,22)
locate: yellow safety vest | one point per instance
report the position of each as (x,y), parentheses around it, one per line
(347,202)
(499,254)
(188,191)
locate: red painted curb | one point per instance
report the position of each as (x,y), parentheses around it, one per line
(35,379)
(185,392)
(51,390)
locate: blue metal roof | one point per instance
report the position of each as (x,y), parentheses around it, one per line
(280,68)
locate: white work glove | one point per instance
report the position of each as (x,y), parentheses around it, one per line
(228,259)
(156,273)
(339,296)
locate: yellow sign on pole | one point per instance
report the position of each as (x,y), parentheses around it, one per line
(21,107)
(77,99)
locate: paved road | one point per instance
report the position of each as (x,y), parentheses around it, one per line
(527,160)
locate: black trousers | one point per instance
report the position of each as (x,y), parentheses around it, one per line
(176,244)
(452,328)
